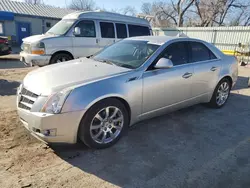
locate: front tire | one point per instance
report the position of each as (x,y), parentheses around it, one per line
(104,124)
(221,94)
(61,57)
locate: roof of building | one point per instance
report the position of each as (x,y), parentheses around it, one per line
(28,9)
(104,15)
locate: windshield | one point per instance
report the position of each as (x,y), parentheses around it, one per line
(61,27)
(127,53)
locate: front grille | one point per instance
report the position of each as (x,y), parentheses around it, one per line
(26,48)
(27,99)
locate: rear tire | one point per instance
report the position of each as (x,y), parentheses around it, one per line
(221,94)
(61,57)
(98,129)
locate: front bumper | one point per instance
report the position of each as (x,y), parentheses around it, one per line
(31,59)
(52,128)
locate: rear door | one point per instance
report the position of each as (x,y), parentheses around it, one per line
(85,44)
(107,34)
(206,69)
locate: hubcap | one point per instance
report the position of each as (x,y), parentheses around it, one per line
(222,93)
(62,59)
(106,125)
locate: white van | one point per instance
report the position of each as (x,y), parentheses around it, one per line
(81,34)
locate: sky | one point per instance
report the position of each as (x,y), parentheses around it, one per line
(107,4)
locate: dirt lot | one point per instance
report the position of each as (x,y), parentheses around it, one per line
(194,147)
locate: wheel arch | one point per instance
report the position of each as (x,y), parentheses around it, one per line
(62,52)
(230,79)
(122,100)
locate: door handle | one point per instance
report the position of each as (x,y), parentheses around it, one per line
(187,75)
(213,69)
(97,41)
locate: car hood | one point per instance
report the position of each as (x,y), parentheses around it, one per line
(53,78)
(37,38)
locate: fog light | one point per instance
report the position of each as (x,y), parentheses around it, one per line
(49,132)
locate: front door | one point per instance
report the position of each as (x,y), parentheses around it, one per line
(86,43)
(23,31)
(107,36)
(163,88)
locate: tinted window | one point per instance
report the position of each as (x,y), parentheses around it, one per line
(107,30)
(177,53)
(87,28)
(121,31)
(200,52)
(136,30)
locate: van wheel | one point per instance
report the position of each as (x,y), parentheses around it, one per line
(104,124)
(58,58)
(221,94)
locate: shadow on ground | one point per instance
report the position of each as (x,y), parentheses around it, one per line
(192,147)
(6,63)
(242,83)
(8,87)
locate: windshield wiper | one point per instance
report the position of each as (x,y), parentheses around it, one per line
(105,61)
(126,66)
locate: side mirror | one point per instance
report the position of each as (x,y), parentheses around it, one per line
(77,31)
(164,63)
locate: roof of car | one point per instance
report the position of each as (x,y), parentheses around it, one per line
(156,39)
(104,15)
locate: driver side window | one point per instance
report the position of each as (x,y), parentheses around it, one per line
(177,52)
(87,28)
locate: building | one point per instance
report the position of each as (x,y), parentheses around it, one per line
(19,20)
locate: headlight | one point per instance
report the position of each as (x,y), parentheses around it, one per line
(38,49)
(55,102)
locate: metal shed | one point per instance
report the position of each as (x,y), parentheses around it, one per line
(19,20)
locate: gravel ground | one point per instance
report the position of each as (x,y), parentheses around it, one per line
(193,147)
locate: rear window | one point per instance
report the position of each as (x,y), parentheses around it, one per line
(107,30)
(200,52)
(136,30)
(121,31)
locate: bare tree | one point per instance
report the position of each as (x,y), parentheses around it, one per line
(85,5)
(146,8)
(221,12)
(172,13)
(34,2)
(128,10)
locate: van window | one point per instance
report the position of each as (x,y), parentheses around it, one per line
(136,30)
(121,31)
(107,30)
(87,28)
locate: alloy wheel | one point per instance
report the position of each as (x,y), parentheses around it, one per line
(222,93)
(106,125)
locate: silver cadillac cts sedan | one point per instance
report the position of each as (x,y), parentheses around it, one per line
(97,98)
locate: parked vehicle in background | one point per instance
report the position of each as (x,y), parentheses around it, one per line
(97,98)
(5,48)
(81,34)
